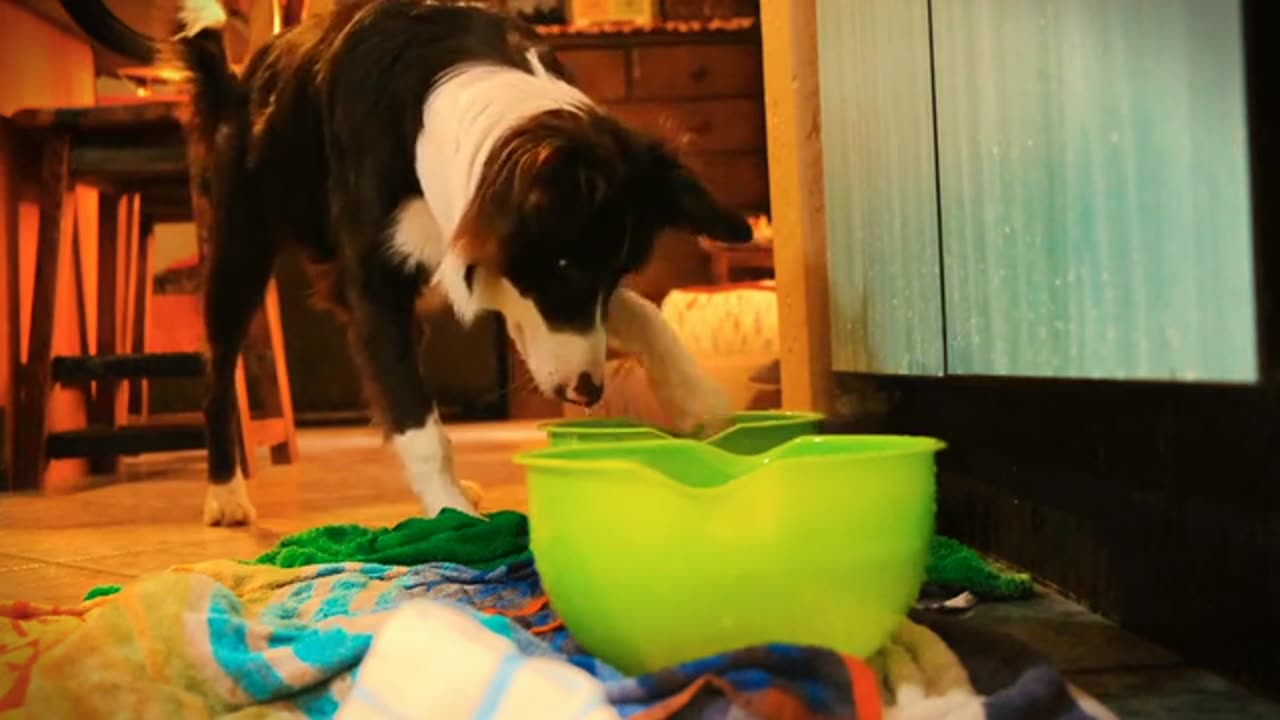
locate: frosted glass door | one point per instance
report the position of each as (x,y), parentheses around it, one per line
(1094,187)
(881,201)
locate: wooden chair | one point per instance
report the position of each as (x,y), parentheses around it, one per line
(136,155)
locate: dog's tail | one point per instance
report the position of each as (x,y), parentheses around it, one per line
(216,91)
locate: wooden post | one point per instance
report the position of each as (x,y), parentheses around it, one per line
(794,125)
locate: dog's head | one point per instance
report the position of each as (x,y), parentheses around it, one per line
(567,204)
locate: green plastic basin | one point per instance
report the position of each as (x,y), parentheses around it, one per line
(749,432)
(660,552)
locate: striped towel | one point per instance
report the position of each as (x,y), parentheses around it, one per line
(234,640)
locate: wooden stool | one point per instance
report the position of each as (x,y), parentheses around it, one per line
(136,154)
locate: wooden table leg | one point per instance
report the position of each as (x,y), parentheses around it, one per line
(35,382)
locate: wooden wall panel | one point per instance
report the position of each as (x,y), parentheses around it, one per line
(40,65)
(1095,189)
(881,202)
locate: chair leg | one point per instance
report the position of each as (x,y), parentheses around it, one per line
(244,420)
(140,339)
(35,382)
(275,428)
(284,451)
(106,410)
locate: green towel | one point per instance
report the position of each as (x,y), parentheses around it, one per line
(954,565)
(451,536)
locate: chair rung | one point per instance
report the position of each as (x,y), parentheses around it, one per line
(85,368)
(126,440)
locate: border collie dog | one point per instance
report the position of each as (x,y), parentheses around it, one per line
(405,147)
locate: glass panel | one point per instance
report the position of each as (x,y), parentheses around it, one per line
(1094,189)
(881,201)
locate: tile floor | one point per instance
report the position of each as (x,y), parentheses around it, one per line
(54,548)
(1134,678)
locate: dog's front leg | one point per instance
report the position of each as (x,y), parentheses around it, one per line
(693,402)
(384,335)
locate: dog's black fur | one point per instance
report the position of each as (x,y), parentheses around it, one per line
(313,146)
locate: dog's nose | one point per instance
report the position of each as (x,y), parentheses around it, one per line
(587,389)
(585,392)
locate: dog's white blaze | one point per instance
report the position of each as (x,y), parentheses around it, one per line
(554,357)
(427,454)
(197,15)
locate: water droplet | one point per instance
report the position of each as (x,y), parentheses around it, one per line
(1115,137)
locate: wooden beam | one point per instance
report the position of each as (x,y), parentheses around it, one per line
(794,127)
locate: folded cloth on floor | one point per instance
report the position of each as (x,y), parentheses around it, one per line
(498,539)
(241,640)
(434,660)
(230,639)
(27,632)
(942,668)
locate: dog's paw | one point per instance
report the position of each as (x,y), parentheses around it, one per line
(473,493)
(449,493)
(228,504)
(703,411)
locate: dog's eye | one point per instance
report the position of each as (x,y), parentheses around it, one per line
(570,276)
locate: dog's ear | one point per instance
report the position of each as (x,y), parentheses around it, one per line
(689,205)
